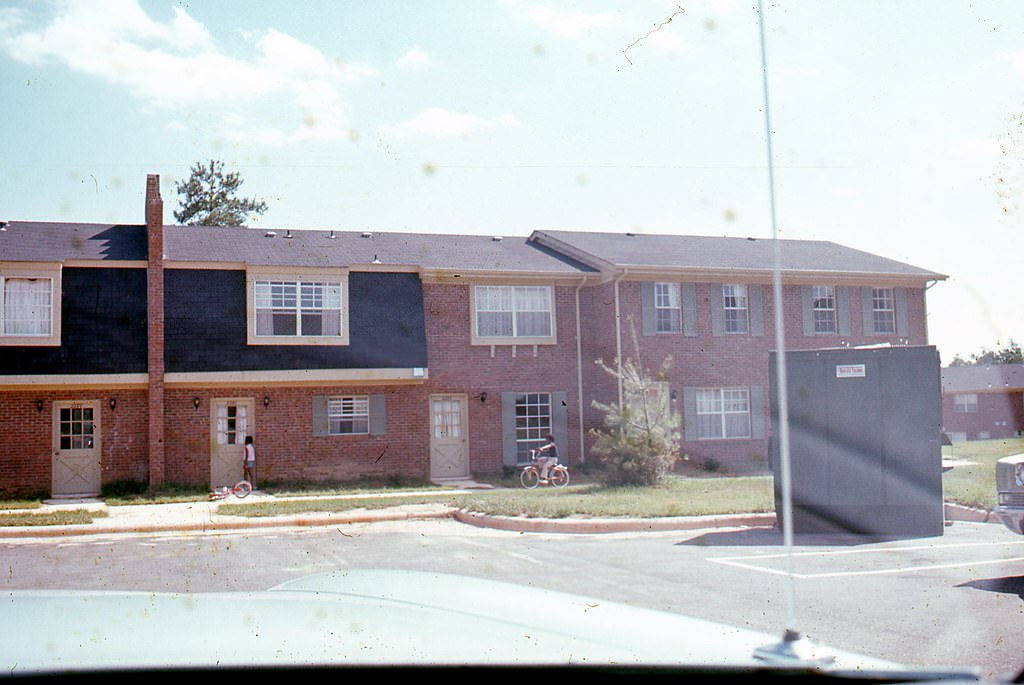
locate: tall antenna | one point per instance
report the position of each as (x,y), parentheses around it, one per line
(794,647)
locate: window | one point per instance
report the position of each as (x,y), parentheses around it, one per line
(533,422)
(883,306)
(513,313)
(734,300)
(348,415)
(303,309)
(965,404)
(30,306)
(77,428)
(667,311)
(824,297)
(723,413)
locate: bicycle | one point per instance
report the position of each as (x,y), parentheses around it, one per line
(241,489)
(558,475)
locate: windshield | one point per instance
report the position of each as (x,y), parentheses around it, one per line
(582,291)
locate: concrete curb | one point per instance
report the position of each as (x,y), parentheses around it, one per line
(612,525)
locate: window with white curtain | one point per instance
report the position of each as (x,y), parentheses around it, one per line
(27,307)
(505,312)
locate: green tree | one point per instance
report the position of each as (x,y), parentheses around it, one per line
(207,198)
(1010,353)
(639,443)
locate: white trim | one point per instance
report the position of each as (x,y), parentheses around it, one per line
(477,339)
(297,275)
(95,380)
(34,270)
(298,377)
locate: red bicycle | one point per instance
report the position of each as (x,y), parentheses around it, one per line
(241,489)
(558,475)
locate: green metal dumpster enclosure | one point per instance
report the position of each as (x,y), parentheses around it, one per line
(865,453)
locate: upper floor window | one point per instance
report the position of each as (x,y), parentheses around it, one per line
(824,298)
(30,306)
(883,306)
(667,309)
(303,309)
(965,404)
(513,314)
(734,301)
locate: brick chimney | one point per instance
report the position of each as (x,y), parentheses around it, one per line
(155,297)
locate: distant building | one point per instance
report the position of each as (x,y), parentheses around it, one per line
(983,402)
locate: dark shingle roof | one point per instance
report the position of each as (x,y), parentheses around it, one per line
(703,253)
(992,378)
(48,241)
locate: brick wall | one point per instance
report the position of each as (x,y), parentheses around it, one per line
(456,366)
(999,415)
(26,451)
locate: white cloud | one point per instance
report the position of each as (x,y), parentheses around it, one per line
(567,25)
(443,123)
(177,65)
(414,57)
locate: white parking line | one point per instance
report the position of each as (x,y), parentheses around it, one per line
(745,561)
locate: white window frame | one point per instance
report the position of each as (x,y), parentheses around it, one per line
(828,322)
(531,428)
(719,407)
(348,410)
(34,272)
(736,300)
(965,403)
(883,309)
(668,308)
(261,276)
(478,297)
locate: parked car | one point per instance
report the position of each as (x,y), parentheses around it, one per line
(1010,492)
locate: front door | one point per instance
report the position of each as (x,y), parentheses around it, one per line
(449,437)
(76,448)
(230,423)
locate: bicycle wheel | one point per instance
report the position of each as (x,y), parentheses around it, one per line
(530,477)
(559,476)
(242,488)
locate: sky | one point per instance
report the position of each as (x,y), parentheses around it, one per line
(895,124)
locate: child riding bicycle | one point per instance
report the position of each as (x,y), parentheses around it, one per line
(550,459)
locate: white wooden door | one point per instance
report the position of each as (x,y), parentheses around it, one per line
(230,423)
(76,448)
(449,437)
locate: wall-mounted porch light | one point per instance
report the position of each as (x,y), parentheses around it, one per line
(39,406)
(113,403)
(195,403)
(266,401)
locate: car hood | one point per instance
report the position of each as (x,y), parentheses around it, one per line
(362,618)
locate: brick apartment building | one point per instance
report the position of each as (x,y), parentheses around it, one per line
(982,402)
(148,353)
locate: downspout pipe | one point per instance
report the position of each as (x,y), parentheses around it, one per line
(618,333)
(579,368)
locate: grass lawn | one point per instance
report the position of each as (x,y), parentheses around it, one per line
(972,480)
(52,518)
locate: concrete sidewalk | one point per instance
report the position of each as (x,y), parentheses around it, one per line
(204,517)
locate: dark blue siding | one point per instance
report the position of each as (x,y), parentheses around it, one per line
(205,326)
(103,327)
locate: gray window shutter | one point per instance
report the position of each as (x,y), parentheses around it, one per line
(378,415)
(868,308)
(807,304)
(717,310)
(843,310)
(689,413)
(560,424)
(320,423)
(508,428)
(757,408)
(902,318)
(650,323)
(689,294)
(755,302)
